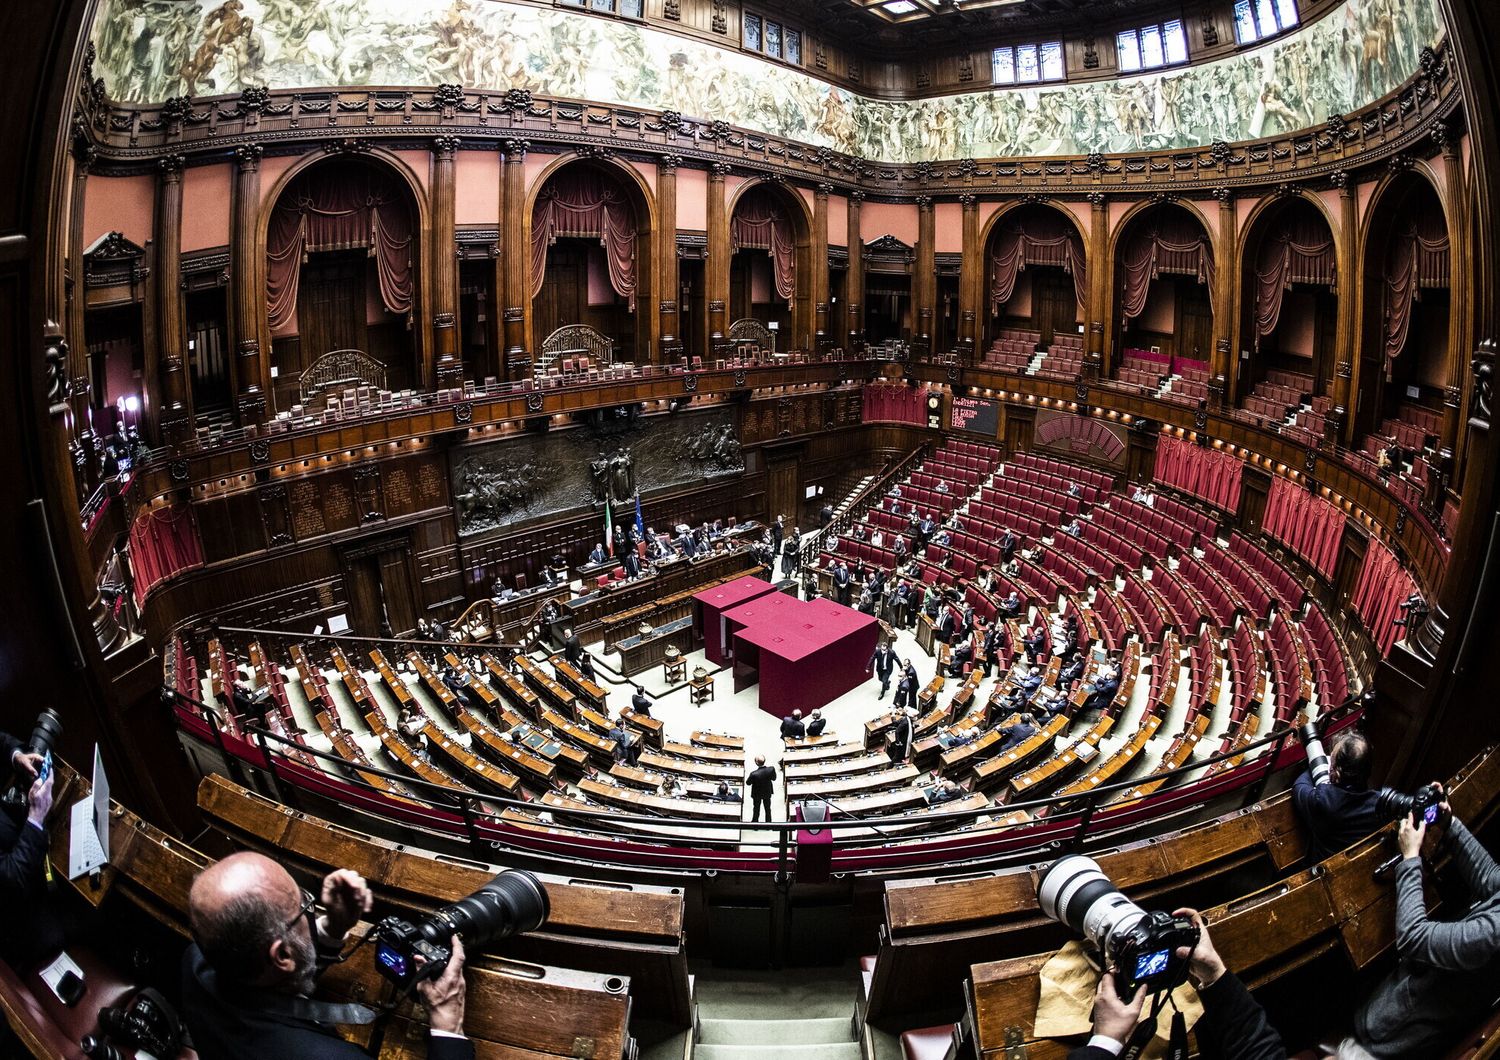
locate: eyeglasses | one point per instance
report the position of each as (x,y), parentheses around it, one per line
(308,910)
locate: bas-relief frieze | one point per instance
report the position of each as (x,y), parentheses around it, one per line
(152,50)
(543,474)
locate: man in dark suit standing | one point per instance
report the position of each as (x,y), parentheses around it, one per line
(761,780)
(841,583)
(792,727)
(259,946)
(632,564)
(994,643)
(572,647)
(882,664)
(906,688)
(640,703)
(778,531)
(901,734)
(1007,546)
(1343,810)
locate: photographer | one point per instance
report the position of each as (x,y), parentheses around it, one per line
(1446,978)
(1344,809)
(1233,1025)
(260,944)
(23,855)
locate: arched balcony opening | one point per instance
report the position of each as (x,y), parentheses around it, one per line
(591,258)
(1035,295)
(1406,368)
(770,268)
(1290,308)
(1163,289)
(343,281)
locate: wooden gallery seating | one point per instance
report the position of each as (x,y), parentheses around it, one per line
(569,1013)
(1233,869)
(622,930)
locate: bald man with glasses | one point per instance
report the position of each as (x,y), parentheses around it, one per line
(259,944)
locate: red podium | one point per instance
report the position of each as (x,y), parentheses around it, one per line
(709,607)
(804,654)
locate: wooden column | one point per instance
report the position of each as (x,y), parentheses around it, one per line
(717,268)
(1455,199)
(443,368)
(169,394)
(1224,359)
(970,275)
(854,283)
(247,293)
(83,446)
(1101,279)
(515,254)
(818,258)
(1346,335)
(670,348)
(924,283)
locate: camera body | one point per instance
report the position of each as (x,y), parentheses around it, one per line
(1424,804)
(1141,947)
(146,1021)
(43,736)
(408,952)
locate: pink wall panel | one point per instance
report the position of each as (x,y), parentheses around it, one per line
(534,164)
(838,220)
(205,206)
(948,228)
(272,168)
(420,163)
(119,204)
(692,199)
(477,195)
(877,219)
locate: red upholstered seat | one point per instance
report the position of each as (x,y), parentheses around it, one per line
(927,1043)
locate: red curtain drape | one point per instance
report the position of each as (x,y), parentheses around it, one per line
(1298,250)
(163,541)
(1383,586)
(1212,474)
(580,203)
(885,403)
(1418,257)
(761,224)
(1176,244)
(333,208)
(1045,239)
(1309,525)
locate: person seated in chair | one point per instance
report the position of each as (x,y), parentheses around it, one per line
(259,944)
(1011,606)
(1032,681)
(1104,690)
(1017,733)
(1072,670)
(962,656)
(1038,643)
(942,486)
(816,724)
(945,791)
(598,556)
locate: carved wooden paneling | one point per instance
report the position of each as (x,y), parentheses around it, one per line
(276,515)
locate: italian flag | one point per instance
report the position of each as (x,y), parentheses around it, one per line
(609,528)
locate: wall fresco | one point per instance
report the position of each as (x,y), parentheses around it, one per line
(150,50)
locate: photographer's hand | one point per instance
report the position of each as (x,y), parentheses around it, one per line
(29,764)
(1409,836)
(39,802)
(346,897)
(1204,963)
(1115,1017)
(443,997)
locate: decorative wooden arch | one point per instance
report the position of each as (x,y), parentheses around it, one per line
(749,329)
(421,232)
(574,340)
(338,369)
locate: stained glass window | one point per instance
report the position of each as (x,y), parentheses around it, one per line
(773,40)
(1052,61)
(1027,63)
(1152,46)
(794,46)
(1129,46)
(1027,68)
(752,32)
(1258,19)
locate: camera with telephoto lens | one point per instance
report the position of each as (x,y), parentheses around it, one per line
(146,1022)
(1425,803)
(48,728)
(1317,757)
(1141,947)
(514,901)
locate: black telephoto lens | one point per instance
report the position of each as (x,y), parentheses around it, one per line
(96,1048)
(514,901)
(48,728)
